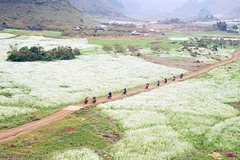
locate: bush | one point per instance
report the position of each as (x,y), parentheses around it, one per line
(155,48)
(39,54)
(107,48)
(76,51)
(119,48)
(25,54)
(62,53)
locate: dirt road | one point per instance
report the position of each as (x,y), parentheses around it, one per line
(12,133)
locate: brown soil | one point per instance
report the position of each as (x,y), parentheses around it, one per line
(186,63)
(12,133)
(69,131)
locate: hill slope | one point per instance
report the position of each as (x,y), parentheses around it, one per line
(234,14)
(101,8)
(217,7)
(50,14)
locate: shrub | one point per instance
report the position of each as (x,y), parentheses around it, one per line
(107,48)
(62,53)
(24,54)
(39,54)
(133,49)
(155,48)
(76,51)
(119,48)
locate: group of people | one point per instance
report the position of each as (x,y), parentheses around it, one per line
(165,81)
(109,96)
(94,100)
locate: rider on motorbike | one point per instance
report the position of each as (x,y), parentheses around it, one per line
(85,100)
(94,100)
(124,91)
(165,80)
(109,95)
(147,85)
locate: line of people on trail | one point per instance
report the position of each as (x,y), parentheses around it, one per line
(109,96)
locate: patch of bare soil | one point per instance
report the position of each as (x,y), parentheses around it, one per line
(110,137)
(189,64)
(69,131)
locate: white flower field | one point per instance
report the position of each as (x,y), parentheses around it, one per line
(181,120)
(83,154)
(175,120)
(52,84)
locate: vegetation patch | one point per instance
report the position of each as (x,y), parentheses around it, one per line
(39,54)
(84,130)
(179,121)
(6,94)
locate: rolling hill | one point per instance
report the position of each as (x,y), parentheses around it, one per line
(99,8)
(217,7)
(234,14)
(49,14)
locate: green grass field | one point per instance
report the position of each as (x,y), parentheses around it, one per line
(142,43)
(84,128)
(46,33)
(216,34)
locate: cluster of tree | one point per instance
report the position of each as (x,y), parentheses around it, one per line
(208,43)
(221,26)
(117,48)
(39,54)
(170,21)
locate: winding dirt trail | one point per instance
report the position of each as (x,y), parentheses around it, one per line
(12,133)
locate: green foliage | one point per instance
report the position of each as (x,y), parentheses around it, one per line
(221,26)
(39,54)
(62,53)
(6,94)
(235,27)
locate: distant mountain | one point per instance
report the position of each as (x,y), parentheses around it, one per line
(49,14)
(234,14)
(190,8)
(132,7)
(216,7)
(100,8)
(116,3)
(204,16)
(223,6)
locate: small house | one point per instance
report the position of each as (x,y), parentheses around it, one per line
(135,33)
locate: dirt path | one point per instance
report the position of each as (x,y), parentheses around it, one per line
(12,133)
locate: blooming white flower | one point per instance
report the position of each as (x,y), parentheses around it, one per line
(74,154)
(174,115)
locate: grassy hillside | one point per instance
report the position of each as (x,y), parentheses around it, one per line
(98,8)
(47,13)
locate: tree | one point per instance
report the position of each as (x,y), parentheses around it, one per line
(222,26)
(235,27)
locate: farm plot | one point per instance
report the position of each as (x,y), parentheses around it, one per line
(185,119)
(47,85)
